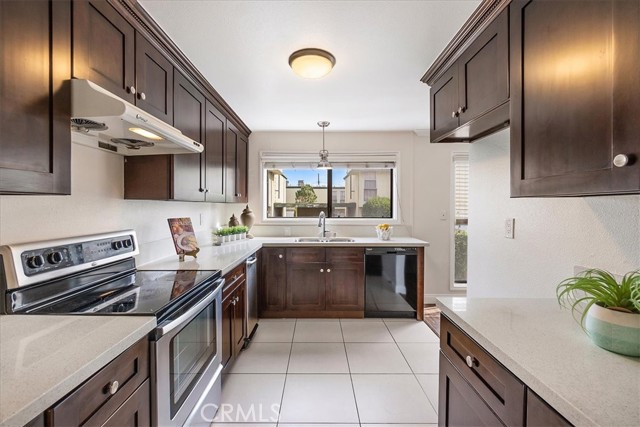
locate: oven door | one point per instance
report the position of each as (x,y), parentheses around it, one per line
(187,363)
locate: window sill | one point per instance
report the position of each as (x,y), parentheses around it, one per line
(330,221)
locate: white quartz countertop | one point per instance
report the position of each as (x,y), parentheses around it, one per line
(43,358)
(229,255)
(548,351)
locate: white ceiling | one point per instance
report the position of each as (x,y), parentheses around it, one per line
(382,49)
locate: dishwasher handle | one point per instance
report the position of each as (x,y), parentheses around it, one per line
(251,260)
(391,251)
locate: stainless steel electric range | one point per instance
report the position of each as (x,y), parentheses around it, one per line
(97,275)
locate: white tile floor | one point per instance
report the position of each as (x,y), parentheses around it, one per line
(346,373)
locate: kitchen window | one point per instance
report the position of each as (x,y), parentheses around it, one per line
(460,219)
(362,186)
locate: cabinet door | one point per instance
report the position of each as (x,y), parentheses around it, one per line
(154,81)
(103,47)
(242,169)
(483,72)
(345,279)
(458,403)
(444,104)
(540,414)
(213,159)
(230,164)
(35,139)
(274,280)
(189,117)
(135,412)
(306,286)
(239,317)
(575,97)
(227,329)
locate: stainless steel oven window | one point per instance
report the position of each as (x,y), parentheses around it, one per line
(191,350)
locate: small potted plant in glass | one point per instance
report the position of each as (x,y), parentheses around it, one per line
(609,310)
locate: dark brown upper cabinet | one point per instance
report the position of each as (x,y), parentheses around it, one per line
(236,165)
(154,80)
(104,48)
(213,157)
(470,99)
(110,52)
(575,127)
(189,106)
(35,138)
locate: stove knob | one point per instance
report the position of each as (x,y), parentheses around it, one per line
(55,258)
(117,245)
(127,243)
(35,261)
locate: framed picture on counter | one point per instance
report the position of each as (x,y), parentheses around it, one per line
(184,238)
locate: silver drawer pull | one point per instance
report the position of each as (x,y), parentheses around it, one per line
(112,387)
(471,361)
(322,270)
(621,160)
(328,270)
(280,256)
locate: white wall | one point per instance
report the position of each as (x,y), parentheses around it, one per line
(552,235)
(96,205)
(424,190)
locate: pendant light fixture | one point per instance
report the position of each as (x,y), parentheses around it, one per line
(311,63)
(324,154)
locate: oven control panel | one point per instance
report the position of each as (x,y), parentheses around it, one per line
(42,260)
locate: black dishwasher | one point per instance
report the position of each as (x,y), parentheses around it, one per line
(391,287)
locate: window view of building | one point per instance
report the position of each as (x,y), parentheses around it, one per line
(355,193)
(461,217)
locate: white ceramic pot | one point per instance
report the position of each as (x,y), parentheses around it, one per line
(614,330)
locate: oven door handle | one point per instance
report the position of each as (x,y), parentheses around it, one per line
(192,312)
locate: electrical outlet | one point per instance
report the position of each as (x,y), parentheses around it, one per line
(287,231)
(509,225)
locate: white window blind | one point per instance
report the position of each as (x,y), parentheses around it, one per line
(461,185)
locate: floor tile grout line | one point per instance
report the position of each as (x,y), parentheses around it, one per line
(286,374)
(353,388)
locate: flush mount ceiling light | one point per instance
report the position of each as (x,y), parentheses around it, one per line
(324,154)
(311,63)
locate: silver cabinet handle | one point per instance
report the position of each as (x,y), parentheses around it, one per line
(112,387)
(461,110)
(621,160)
(471,361)
(322,270)
(280,256)
(142,96)
(328,270)
(454,114)
(131,90)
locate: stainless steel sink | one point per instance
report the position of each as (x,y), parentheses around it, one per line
(324,240)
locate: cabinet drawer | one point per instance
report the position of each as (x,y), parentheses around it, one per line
(305,255)
(498,387)
(93,398)
(350,255)
(232,280)
(135,412)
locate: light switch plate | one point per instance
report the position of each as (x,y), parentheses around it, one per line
(509,225)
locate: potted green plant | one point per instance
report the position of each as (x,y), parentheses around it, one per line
(609,310)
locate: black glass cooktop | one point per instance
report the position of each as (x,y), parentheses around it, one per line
(128,292)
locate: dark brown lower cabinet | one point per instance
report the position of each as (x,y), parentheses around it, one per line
(117,395)
(540,414)
(234,323)
(459,404)
(135,411)
(476,390)
(306,286)
(312,282)
(273,283)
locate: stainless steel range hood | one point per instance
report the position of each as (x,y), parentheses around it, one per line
(102,120)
